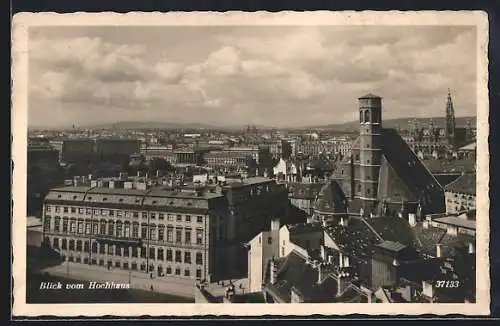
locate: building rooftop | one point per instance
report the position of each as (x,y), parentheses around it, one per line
(460,222)
(392,246)
(465,184)
(370,96)
(304,190)
(331,199)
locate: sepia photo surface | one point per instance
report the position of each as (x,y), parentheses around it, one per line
(244,164)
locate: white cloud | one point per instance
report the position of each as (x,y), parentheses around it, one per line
(296,75)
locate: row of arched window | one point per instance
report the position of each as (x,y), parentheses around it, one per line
(373,116)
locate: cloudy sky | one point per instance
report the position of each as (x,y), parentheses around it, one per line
(230,75)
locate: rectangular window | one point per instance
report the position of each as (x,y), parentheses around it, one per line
(187,272)
(152,253)
(46,223)
(144,215)
(95,227)
(199,258)
(126,252)
(88,211)
(160,254)
(118,230)
(169,255)
(104,212)
(111,212)
(144,231)
(178,256)
(178,235)
(169,270)
(96,211)
(136,214)
(188,218)
(111,228)
(65,210)
(102,229)
(80,211)
(79,245)
(58,209)
(135,252)
(152,233)
(198,273)
(170,218)
(187,237)
(135,230)
(153,215)
(73,209)
(57,224)
(187,257)
(127,214)
(177,271)
(161,234)
(72,226)
(55,243)
(179,218)
(48,208)
(64,244)
(119,213)
(161,216)
(199,219)
(127,231)
(143,252)
(170,235)
(269,240)
(199,237)
(71,244)
(80,227)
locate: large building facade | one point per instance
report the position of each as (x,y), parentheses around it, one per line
(132,226)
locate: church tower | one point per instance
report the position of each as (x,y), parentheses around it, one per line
(450,120)
(370,119)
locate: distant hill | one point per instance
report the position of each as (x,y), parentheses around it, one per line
(352,126)
(400,123)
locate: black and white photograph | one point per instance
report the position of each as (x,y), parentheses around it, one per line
(261,161)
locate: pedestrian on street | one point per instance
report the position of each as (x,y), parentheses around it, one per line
(151,288)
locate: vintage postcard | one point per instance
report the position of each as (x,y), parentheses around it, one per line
(186,164)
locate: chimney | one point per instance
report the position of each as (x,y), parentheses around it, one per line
(346,261)
(273,271)
(472,248)
(323,253)
(275,224)
(438,250)
(320,274)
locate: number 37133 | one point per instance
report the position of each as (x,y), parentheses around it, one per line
(447,284)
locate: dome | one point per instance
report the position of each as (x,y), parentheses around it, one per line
(330,199)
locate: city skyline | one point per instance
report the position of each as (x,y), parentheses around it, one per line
(293,77)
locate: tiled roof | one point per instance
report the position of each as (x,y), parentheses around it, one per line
(436,166)
(429,237)
(356,240)
(465,184)
(304,190)
(406,163)
(294,272)
(304,228)
(393,229)
(331,199)
(391,246)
